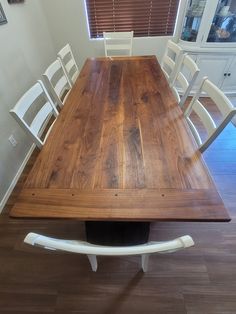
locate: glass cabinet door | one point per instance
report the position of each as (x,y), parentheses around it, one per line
(193,20)
(223,27)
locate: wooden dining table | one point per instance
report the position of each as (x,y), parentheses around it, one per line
(120,152)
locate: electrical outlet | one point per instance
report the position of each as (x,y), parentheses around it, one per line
(12,140)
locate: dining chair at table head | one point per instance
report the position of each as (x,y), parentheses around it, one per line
(34,111)
(92,250)
(68,62)
(184,79)
(213,129)
(171,60)
(57,81)
(118,43)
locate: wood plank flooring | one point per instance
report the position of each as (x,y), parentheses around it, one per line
(200,280)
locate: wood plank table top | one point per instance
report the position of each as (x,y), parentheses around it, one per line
(121,150)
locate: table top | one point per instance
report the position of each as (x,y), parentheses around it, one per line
(121,150)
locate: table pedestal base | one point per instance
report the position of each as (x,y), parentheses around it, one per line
(117,233)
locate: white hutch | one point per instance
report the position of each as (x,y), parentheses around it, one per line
(206,30)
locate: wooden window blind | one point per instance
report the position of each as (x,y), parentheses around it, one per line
(144,17)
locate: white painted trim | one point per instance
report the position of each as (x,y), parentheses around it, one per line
(229,94)
(16,178)
(92,250)
(234,120)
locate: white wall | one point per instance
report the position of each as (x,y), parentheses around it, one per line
(67,23)
(26,50)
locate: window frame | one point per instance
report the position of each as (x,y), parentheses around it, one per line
(100,37)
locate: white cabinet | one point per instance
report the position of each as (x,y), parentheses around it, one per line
(213,66)
(220,69)
(206,30)
(229,83)
(209,23)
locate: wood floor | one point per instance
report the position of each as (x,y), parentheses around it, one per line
(200,280)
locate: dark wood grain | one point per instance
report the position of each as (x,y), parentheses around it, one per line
(121,204)
(120,133)
(201,279)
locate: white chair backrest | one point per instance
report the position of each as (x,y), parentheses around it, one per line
(68,62)
(118,42)
(58,82)
(171,60)
(92,250)
(32,117)
(181,81)
(224,106)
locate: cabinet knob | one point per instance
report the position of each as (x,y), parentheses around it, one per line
(229,74)
(225,74)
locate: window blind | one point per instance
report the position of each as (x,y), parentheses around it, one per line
(144,17)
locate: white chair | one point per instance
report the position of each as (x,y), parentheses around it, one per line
(118,42)
(92,250)
(234,121)
(184,82)
(171,60)
(58,82)
(224,106)
(68,62)
(33,116)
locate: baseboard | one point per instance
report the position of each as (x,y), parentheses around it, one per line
(16,178)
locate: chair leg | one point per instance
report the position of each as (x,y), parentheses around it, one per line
(145,259)
(93,262)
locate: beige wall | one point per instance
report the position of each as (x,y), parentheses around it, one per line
(25,51)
